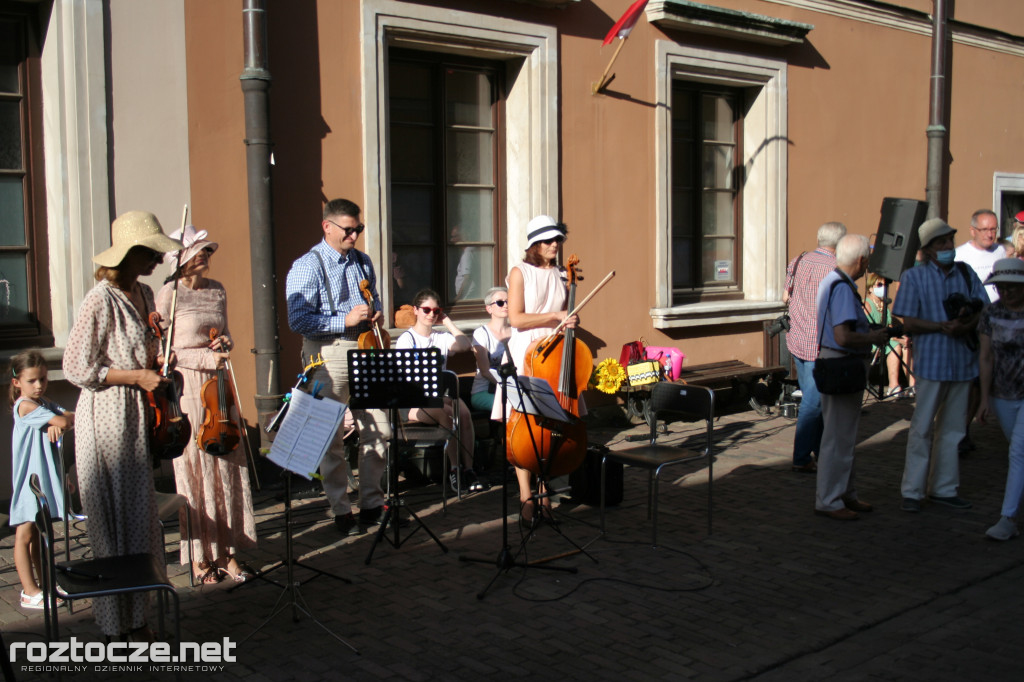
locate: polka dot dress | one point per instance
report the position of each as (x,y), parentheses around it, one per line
(112,441)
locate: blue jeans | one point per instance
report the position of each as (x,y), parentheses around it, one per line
(1011,418)
(809,422)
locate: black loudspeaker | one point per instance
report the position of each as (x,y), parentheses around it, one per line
(896,243)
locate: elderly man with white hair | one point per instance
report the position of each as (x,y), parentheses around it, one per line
(803,275)
(843,331)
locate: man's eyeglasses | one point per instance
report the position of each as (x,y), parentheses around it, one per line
(349,231)
(500,302)
(428,311)
(989,230)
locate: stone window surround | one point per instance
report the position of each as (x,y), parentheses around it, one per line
(765,149)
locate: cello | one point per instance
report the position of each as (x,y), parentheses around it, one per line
(218,435)
(376,337)
(554,450)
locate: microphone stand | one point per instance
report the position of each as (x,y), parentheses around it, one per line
(506,560)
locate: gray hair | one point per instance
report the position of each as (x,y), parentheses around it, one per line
(829,234)
(980,212)
(489,296)
(851,248)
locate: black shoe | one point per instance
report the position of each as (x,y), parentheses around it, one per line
(371,516)
(477,484)
(454,480)
(346,523)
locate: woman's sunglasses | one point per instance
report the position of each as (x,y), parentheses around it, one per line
(428,311)
(498,302)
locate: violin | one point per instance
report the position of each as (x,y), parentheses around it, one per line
(169,427)
(377,337)
(218,434)
(550,450)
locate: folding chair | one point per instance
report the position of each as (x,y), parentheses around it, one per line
(667,398)
(424,436)
(91,578)
(168,510)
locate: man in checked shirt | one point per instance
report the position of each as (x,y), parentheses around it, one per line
(327,308)
(803,276)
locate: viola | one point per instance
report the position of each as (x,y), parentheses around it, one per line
(169,427)
(565,362)
(377,337)
(218,434)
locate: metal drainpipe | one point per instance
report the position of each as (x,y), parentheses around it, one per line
(937,131)
(255,87)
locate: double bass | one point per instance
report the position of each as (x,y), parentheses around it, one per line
(565,362)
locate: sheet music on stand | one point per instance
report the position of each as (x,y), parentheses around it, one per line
(306,433)
(536,397)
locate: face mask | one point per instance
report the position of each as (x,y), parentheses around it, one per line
(879,291)
(945,257)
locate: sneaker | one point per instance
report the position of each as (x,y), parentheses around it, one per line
(346,524)
(1005,529)
(797,393)
(954,502)
(910,505)
(478,484)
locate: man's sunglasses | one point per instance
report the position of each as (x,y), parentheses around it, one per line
(349,231)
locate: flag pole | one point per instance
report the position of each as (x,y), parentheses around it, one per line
(601,84)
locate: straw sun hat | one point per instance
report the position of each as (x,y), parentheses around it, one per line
(135,228)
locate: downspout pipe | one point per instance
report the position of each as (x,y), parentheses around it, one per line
(938,134)
(255,89)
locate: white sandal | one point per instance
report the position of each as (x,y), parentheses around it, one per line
(36,602)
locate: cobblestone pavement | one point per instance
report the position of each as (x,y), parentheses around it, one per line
(774,593)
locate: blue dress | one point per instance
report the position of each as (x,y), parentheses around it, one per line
(33,453)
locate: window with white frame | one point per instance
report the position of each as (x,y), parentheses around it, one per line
(497,116)
(721,149)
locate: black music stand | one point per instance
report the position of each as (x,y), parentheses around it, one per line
(291,586)
(530,397)
(388,380)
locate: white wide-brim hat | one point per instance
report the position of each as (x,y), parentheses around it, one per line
(131,229)
(194,241)
(1007,271)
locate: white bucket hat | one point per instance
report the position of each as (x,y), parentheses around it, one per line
(1007,271)
(542,228)
(134,228)
(194,241)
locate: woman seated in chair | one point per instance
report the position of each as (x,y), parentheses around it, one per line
(896,349)
(489,349)
(422,335)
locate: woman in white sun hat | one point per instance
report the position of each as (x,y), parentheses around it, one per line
(1001,368)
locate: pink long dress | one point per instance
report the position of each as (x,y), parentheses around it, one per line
(217,488)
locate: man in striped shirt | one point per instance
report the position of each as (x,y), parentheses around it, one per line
(326,307)
(945,364)
(803,276)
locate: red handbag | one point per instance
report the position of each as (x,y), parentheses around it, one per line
(632,352)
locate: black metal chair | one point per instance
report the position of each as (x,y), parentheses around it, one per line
(667,398)
(91,578)
(419,436)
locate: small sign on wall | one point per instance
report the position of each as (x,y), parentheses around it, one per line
(723,270)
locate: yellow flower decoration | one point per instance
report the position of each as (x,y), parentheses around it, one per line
(608,376)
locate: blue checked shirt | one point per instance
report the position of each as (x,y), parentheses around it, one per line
(938,357)
(309,310)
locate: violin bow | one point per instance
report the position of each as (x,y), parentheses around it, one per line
(174,300)
(558,330)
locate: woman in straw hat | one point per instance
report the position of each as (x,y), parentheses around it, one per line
(217,487)
(110,355)
(1001,370)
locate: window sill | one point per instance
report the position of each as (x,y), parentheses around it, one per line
(718,312)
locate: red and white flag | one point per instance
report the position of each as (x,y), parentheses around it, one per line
(626,22)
